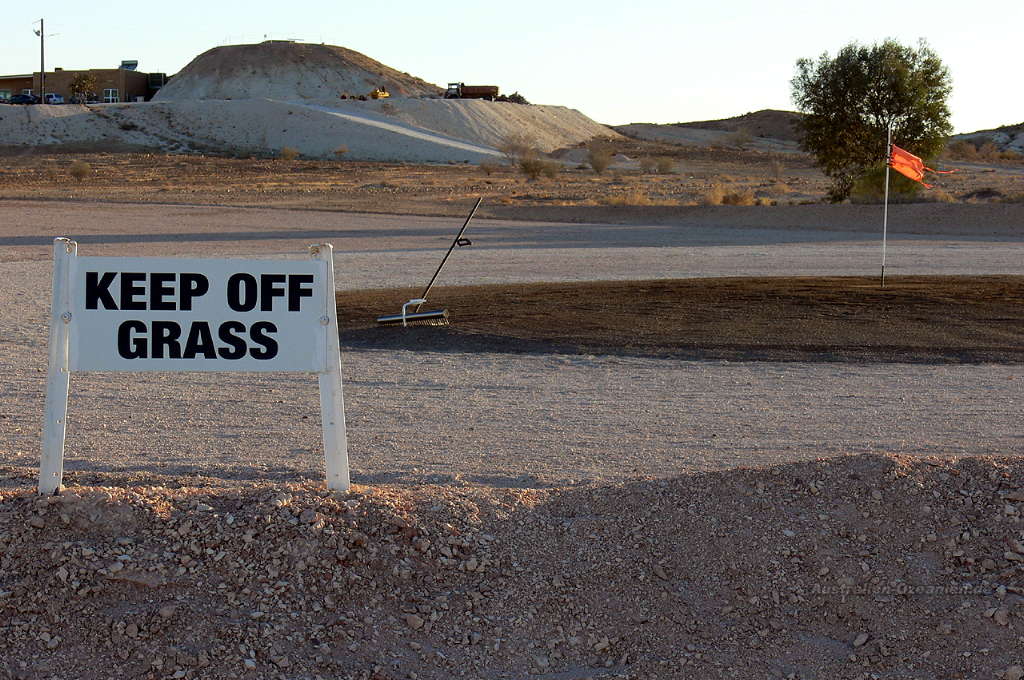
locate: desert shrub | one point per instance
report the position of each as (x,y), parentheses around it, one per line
(988,151)
(288,153)
(739,197)
(514,98)
(962,150)
(664,165)
(780,188)
(633,197)
(488,168)
(776,170)
(340,151)
(648,164)
(940,196)
(712,195)
(128,125)
(518,148)
(79,170)
(388,109)
(599,155)
(533,168)
(739,138)
(979,149)
(870,188)
(1014,198)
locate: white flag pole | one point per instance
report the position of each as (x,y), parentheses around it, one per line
(885,210)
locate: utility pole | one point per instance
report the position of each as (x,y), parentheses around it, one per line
(42,63)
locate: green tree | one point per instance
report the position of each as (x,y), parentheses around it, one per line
(850,101)
(83,86)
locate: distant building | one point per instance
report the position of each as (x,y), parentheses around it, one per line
(12,85)
(113,85)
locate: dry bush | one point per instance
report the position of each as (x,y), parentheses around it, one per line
(963,150)
(739,197)
(648,165)
(780,188)
(940,196)
(988,152)
(79,170)
(664,165)
(489,168)
(633,197)
(776,170)
(870,188)
(288,153)
(739,138)
(599,155)
(518,148)
(340,151)
(533,168)
(1014,198)
(388,109)
(979,149)
(713,195)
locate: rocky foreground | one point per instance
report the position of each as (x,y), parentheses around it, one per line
(852,567)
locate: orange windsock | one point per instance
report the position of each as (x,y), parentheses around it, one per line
(907,164)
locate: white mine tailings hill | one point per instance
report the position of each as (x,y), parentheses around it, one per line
(289,71)
(259,99)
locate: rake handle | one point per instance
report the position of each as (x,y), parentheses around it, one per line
(450,249)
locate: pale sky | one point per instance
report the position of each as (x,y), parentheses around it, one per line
(616,61)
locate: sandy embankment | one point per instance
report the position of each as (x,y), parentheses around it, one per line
(396,129)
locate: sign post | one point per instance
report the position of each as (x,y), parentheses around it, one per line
(58,380)
(332,402)
(165,314)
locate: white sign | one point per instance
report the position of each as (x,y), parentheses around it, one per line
(162,314)
(155,314)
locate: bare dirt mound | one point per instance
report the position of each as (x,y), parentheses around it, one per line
(766,123)
(913,319)
(286,70)
(768,130)
(853,567)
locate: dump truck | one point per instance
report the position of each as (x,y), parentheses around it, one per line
(463,91)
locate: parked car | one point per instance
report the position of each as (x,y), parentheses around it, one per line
(24,99)
(53,98)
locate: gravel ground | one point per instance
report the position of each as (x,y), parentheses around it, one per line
(869,566)
(497,419)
